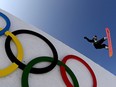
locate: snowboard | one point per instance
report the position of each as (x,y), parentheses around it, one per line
(110,49)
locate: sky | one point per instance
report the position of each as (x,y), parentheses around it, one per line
(69,21)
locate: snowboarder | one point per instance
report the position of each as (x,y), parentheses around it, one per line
(98,44)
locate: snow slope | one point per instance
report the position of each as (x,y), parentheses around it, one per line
(35,47)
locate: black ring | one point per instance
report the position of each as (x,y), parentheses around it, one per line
(20,64)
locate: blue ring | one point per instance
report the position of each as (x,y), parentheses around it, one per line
(7,24)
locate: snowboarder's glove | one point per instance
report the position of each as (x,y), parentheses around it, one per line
(85,37)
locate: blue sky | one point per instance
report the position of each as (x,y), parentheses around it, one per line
(71,20)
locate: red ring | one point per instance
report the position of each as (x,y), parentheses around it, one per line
(64,75)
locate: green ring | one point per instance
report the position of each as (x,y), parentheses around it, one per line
(26,71)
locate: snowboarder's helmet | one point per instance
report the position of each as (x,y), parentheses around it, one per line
(95,37)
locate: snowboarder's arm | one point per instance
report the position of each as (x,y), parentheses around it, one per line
(88,39)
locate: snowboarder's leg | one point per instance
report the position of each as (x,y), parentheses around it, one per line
(102,40)
(104,46)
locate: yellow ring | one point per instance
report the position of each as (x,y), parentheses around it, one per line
(11,68)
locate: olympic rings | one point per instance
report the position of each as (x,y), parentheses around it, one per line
(2,32)
(27,69)
(63,73)
(11,68)
(20,64)
(16,61)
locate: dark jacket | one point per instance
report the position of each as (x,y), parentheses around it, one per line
(97,43)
